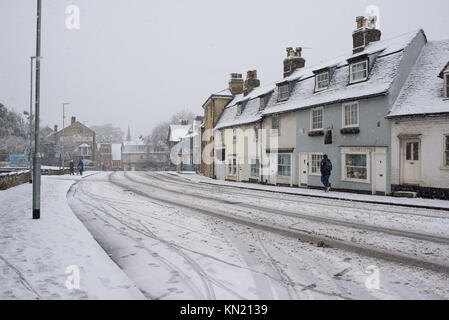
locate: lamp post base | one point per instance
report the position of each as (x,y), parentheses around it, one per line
(36,214)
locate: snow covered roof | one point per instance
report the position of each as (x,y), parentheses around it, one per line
(177,132)
(225,93)
(423,92)
(250,112)
(116,149)
(387,54)
(135,146)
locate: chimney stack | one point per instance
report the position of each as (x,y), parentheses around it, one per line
(236,84)
(56,128)
(73,120)
(251,82)
(365,33)
(293,61)
(184,122)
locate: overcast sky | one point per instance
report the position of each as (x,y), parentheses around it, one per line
(137,62)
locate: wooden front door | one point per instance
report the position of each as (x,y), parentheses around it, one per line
(411,162)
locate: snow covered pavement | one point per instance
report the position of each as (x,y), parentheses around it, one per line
(178,239)
(41,259)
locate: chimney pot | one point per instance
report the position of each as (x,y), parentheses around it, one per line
(365,33)
(73,120)
(293,61)
(236,84)
(251,82)
(56,128)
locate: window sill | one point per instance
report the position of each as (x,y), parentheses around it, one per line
(320,90)
(316,133)
(356,82)
(357,180)
(444,168)
(350,130)
(283,177)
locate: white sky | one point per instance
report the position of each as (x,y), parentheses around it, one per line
(137,62)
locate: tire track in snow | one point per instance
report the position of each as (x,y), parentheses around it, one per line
(304,236)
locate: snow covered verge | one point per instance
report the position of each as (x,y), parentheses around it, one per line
(409,202)
(41,259)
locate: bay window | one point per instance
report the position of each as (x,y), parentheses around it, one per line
(356,167)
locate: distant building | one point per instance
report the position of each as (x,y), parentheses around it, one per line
(116,149)
(136,155)
(76,141)
(109,156)
(176,133)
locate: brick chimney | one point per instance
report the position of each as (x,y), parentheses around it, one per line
(365,33)
(251,82)
(236,84)
(56,128)
(73,120)
(293,61)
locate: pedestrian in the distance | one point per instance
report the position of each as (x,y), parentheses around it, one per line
(326,169)
(72,168)
(81,167)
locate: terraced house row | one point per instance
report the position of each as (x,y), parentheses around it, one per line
(381,114)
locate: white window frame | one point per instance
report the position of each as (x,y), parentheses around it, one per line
(232,167)
(319,82)
(283,92)
(278,164)
(445,151)
(368,167)
(312,118)
(446,85)
(318,168)
(351,73)
(350,104)
(254,162)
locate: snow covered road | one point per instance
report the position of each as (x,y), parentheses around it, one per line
(178,239)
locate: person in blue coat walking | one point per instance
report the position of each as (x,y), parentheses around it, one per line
(81,166)
(326,169)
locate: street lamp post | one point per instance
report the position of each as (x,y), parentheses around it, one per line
(37,154)
(63,138)
(30,154)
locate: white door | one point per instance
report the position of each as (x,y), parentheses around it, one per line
(380,173)
(303,169)
(273,158)
(411,161)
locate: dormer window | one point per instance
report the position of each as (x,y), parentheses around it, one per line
(239,109)
(358,71)
(262,103)
(321,81)
(284,92)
